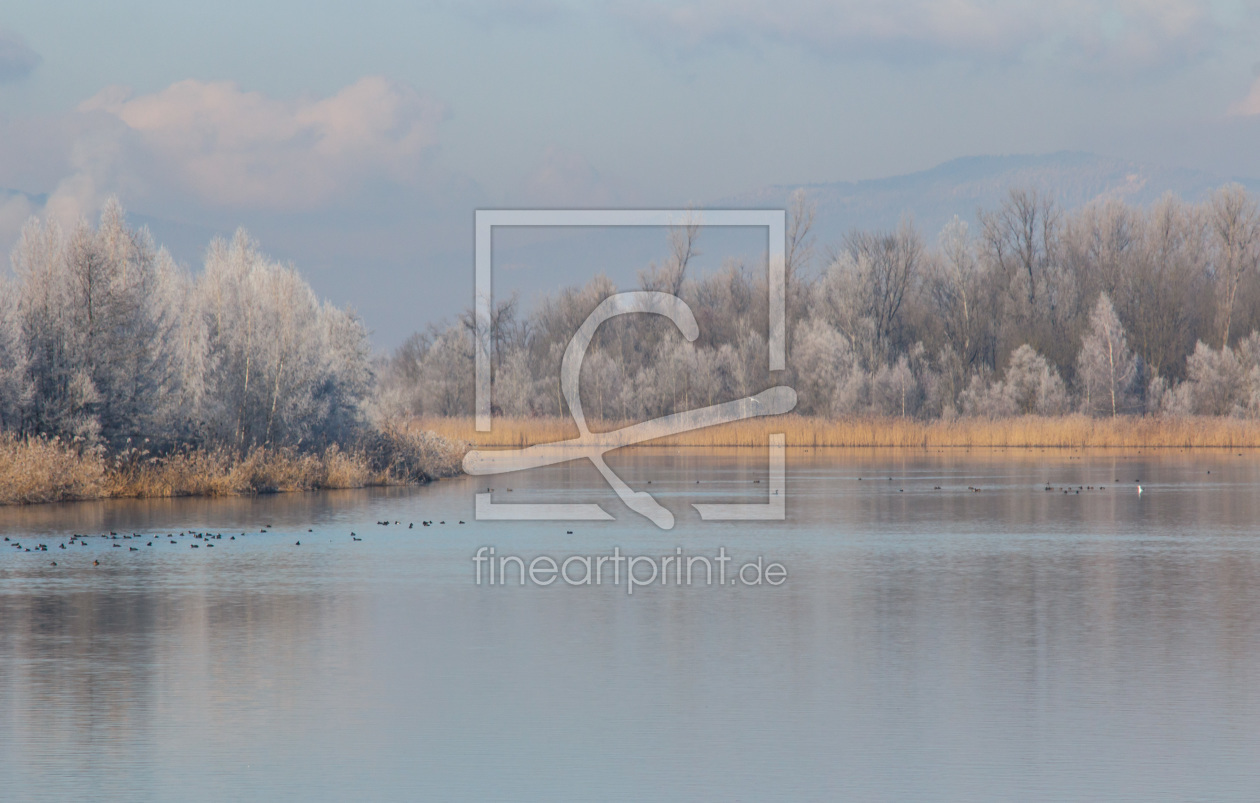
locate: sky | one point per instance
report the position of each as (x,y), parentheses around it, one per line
(357,139)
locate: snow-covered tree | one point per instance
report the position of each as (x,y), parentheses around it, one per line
(1107,370)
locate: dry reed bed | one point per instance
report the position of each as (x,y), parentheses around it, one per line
(48,470)
(34,470)
(1073,431)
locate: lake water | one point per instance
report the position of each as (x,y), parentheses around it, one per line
(1010,643)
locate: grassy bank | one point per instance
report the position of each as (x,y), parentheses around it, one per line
(1073,431)
(48,470)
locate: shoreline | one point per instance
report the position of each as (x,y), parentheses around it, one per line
(41,470)
(1034,432)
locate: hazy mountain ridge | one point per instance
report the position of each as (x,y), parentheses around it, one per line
(931,197)
(962,186)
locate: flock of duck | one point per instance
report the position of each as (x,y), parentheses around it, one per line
(206,539)
(1067,489)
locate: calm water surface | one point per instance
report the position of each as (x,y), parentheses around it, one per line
(1005,644)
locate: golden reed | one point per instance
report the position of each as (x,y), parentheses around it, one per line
(34,470)
(1072,431)
(48,470)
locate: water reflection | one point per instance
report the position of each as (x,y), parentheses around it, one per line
(951,644)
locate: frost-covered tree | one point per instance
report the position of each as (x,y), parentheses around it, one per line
(105,342)
(895,389)
(1215,380)
(955,293)
(284,368)
(100,331)
(16,390)
(1224,381)
(822,361)
(1106,368)
(1234,220)
(1030,385)
(1034,384)
(1010,317)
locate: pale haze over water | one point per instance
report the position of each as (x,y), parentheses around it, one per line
(1010,643)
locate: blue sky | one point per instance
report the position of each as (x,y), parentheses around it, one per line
(355,139)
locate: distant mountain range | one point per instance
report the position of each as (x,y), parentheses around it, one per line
(963,186)
(931,197)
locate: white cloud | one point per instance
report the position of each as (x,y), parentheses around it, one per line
(229,147)
(16,57)
(1123,34)
(1248,106)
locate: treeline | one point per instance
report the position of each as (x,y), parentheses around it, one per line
(121,373)
(104,340)
(1109,310)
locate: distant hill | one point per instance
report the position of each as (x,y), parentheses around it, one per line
(962,186)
